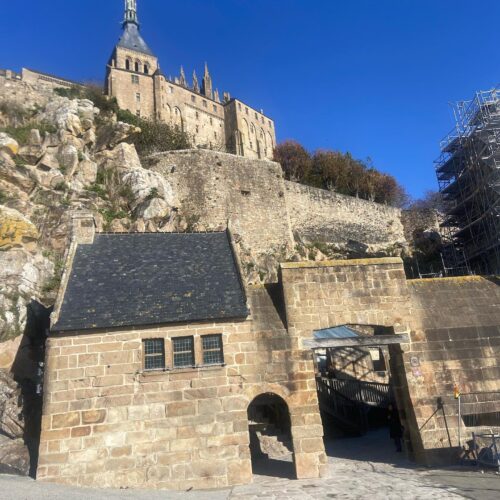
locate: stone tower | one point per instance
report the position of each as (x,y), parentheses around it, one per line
(131,68)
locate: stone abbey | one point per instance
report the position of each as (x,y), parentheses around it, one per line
(134,78)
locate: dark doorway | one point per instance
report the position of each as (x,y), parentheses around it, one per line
(271,446)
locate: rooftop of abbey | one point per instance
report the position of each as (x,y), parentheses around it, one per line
(187,303)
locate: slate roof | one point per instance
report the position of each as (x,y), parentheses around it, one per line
(148,279)
(132,39)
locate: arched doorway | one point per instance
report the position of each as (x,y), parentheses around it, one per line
(271,447)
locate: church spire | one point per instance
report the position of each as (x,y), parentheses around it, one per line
(131,12)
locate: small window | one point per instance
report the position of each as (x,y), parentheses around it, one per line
(135,79)
(183,351)
(204,104)
(197,115)
(256,117)
(262,119)
(211,121)
(127,64)
(246,111)
(154,354)
(239,106)
(170,90)
(270,124)
(193,98)
(197,129)
(212,350)
(215,135)
(138,97)
(137,67)
(146,69)
(215,108)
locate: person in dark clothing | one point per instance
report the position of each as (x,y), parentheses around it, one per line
(395,427)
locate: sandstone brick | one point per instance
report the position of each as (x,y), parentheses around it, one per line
(181,409)
(93,416)
(62,420)
(80,431)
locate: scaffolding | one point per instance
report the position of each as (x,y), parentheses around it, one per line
(468,173)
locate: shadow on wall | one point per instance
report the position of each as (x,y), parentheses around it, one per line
(26,372)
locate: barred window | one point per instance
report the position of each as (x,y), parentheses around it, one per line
(212,350)
(154,354)
(135,79)
(183,351)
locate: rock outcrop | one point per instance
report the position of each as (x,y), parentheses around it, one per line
(14,455)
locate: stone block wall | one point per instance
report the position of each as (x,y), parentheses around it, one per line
(455,342)
(356,226)
(108,423)
(217,188)
(266,211)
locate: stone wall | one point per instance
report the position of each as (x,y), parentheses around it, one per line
(266,211)
(352,225)
(108,423)
(455,341)
(217,188)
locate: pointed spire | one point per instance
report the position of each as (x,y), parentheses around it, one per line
(207,83)
(131,12)
(196,85)
(216,95)
(182,79)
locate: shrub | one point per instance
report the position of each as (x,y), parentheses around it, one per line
(53,283)
(3,198)
(156,137)
(22,133)
(110,214)
(339,172)
(16,113)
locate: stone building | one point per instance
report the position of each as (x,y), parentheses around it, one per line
(164,370)
(134,77)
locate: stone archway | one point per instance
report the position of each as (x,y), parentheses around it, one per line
(360,375)
(270,430)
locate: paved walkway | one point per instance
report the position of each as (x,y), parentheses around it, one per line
(359,468)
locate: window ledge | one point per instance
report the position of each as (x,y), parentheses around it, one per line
(166,371)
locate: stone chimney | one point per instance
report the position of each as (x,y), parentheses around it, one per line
(83,227)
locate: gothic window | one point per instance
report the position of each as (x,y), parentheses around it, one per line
(215,108)
(183,348)
(212,349)
(154,354)
(252,129)
(137,67)
(127,64)
(146,69)
(204,104)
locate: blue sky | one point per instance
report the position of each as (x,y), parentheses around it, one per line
(373,77)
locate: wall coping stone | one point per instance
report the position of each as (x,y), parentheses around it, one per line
(450,279)
(338,263)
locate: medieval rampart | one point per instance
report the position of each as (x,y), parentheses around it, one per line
(267,212)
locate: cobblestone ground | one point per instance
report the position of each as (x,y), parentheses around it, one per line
(363,468)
